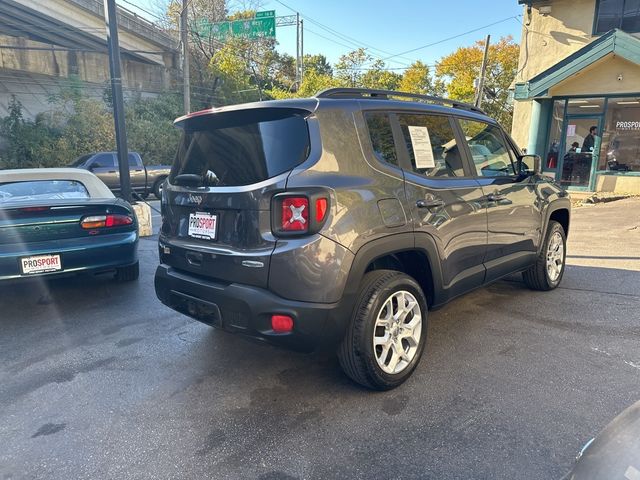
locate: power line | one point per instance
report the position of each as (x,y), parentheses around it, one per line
(142,9)
(453,37)
(327,38)
(352,41)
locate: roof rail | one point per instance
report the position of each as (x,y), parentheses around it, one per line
(386,94)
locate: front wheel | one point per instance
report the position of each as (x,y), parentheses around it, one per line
(548,270)
(387,333)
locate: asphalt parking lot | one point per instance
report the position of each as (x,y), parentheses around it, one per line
(99,380)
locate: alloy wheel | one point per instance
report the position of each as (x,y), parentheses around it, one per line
(397,332)
(555,256)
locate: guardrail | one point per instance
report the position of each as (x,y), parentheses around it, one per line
(132,22)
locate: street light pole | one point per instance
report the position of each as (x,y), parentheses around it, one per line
(298,62)
(483,72)
(301,50)
(184,34)
(118,101)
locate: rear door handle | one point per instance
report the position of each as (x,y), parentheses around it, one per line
(430,203)
(496,197)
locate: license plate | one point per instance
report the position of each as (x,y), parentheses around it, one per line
(203,225)
(40,264)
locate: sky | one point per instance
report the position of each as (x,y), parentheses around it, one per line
(387,28)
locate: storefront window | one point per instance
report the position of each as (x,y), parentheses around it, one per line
(555,134)
(585,106)
(620,149)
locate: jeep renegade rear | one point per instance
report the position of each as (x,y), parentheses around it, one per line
(341,219)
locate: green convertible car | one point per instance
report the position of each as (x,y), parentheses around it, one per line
(61,221)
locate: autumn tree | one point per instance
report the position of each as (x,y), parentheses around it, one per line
(318,63)
(349,69)
(460,69)
(378,77)
(417,79)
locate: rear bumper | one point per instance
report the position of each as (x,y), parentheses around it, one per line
(94,254)
(247,310)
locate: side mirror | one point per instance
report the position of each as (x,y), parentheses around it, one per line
(529,164)
(93,166)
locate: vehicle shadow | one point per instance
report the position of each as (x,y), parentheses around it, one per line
(222,355)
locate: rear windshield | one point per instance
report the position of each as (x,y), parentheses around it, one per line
(241,148)
(41,190)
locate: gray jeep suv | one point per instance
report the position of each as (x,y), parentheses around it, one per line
(342,219)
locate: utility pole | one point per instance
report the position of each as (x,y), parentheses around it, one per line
(118,102)
(483,71)
(301,51)
(184,35)
(298,49)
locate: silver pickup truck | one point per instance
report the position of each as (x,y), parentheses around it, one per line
(144,180)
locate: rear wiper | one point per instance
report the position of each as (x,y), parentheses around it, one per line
(188,180)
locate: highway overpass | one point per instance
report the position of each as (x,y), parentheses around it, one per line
(46,43)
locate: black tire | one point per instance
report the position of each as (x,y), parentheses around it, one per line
(129,273)
(356,353)
(157,187)
(538,277)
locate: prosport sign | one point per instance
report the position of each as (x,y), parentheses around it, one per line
(627,125)
(40,264)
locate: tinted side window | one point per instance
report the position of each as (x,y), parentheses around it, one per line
(382,137)
(103,160)
(489,151)
(133,160)
(432,145)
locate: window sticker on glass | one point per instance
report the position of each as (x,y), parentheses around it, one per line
(422,151)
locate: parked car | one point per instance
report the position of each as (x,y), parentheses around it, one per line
(144,179)
(56,221)
(614,454)
(342,219)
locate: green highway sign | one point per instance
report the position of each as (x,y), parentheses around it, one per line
(262,26)
(266,13)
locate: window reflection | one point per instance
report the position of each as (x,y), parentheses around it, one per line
(620,150)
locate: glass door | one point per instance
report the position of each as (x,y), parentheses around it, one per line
(581,148)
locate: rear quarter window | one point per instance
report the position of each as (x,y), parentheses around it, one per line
(242,148)
(381,135)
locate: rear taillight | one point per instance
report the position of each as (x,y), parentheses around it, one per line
(295,214)
(105,221)
(301,213)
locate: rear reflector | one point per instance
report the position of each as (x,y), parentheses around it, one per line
(105,221)
(281,323)
(295,214)
(321,209)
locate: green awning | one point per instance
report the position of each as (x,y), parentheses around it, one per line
(614,41)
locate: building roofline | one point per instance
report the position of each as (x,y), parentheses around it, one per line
(614,41)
